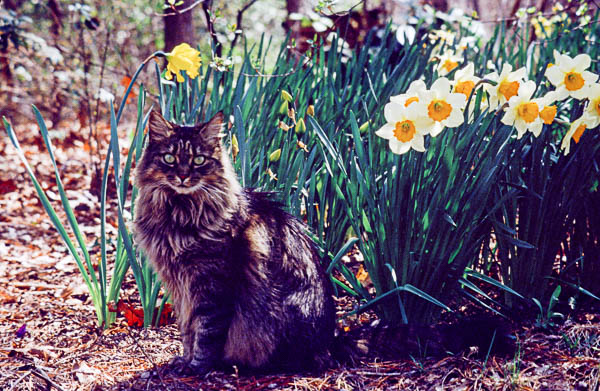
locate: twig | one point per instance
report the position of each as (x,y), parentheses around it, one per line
(238,23)
(181,11)
(367,373)
(41,374)
(154,367)
(210,25)
(19,380)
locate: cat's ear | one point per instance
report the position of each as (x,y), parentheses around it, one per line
(158,127)
(212,129)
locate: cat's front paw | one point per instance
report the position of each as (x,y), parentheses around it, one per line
(183,366)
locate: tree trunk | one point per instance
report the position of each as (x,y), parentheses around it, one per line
(179,28)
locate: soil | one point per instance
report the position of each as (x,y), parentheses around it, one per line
(49,339)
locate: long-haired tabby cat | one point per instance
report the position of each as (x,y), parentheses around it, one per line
(245,278)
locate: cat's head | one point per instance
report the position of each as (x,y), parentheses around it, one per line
(186,159)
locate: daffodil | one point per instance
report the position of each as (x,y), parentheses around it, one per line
(523,112)
(183,58)
(448,62)
(593,107)
(508,83)
(465,80)
(411,95)
(405,127)
(444,108)
(569,75)
(576,130)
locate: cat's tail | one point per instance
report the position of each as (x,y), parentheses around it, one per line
(480,336)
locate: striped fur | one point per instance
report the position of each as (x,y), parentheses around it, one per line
(244,277)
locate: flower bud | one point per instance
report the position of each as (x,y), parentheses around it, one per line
(311,110)
(286,96)
(300,126)
(275,155)
(363,128)
(235,147)
(283,109)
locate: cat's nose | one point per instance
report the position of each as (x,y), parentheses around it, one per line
(182,177)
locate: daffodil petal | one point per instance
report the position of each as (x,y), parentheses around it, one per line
(386,131)
(418,143)
(455,119)
(582,62)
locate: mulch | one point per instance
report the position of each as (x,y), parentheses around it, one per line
(49,339)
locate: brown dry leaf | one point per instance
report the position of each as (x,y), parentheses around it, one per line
(43,352)
(6,298)
(7,186)
(86,374)
(363,276)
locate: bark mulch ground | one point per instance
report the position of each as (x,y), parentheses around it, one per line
(49,339)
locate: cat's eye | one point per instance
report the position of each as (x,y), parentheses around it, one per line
(199,160)
(168,158)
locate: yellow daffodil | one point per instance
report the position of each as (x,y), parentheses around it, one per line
(465,80)
(578,127)
(444,108)
(508,83)
(183,58)
(448,62)
(405,127)
(523,112)
(592,109)
(411,95)
(569,75)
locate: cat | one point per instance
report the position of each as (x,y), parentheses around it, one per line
(244,276)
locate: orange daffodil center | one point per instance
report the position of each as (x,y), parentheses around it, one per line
(547,114)
(439,110)
(573,81)
(448,62)
(528,111)
(449,65)
(579,132)
(464,87)
(508,89)
(405,131)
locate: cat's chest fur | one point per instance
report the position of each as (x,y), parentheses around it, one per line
(171,225)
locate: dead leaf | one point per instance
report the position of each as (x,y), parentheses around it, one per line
(7,186)
(86,374)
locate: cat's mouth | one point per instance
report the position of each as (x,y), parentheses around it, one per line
(184,187)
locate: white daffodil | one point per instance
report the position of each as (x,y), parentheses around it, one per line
(448,62)
(592,109)
(569,75)
(405,127)
(523,112)
(444,108)
(465,80)
(508,83)
(575,132)
(465,43)
(411,95)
